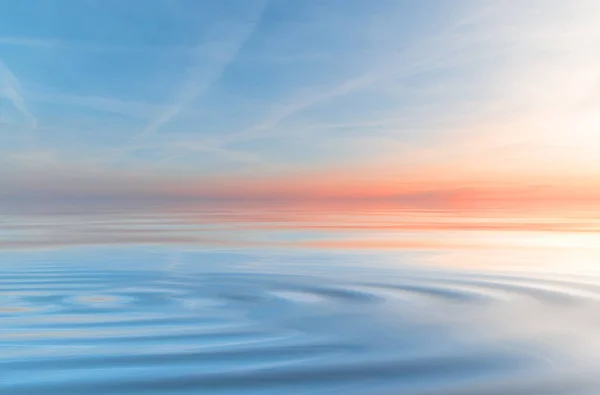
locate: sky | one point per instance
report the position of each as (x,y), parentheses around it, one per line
(419,101)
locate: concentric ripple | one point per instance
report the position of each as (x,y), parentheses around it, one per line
(74,329)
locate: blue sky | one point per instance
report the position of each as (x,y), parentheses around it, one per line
(275,87)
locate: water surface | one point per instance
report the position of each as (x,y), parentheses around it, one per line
(298,300)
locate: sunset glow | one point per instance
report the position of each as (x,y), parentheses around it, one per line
(483,103)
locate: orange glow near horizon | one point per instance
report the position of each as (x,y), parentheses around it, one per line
(420,191)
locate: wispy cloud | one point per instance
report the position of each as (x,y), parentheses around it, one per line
(179,149)
(427,53)
(29,42)
(10,88)
(48,43)
(129,108)
(199,79)
(34,158)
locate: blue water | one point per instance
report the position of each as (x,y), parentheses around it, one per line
(89,304)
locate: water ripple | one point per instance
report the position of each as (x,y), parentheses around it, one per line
(168,332)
